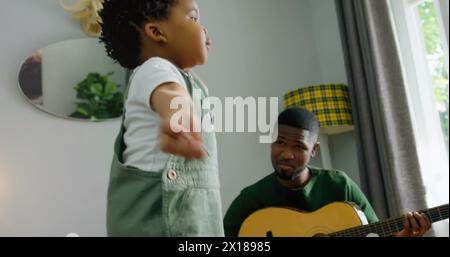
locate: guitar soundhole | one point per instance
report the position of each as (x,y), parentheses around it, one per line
(269,234)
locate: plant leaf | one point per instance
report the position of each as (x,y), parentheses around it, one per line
(96,89)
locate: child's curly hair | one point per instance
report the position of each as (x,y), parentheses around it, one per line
(120,19)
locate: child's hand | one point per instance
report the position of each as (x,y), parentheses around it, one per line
(176,139)
(184,143)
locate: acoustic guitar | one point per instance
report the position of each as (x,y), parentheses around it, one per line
(340,219)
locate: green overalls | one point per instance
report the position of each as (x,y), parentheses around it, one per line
(182,200)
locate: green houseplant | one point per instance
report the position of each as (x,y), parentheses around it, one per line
(100,98)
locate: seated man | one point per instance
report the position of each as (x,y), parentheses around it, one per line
(297,185)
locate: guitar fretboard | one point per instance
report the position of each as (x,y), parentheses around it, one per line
(390,226)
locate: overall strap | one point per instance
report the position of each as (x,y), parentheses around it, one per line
(188,81)
(125,96)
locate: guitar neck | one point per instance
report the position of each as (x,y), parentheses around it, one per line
(391,226)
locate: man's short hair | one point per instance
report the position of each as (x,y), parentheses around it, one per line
(300,118)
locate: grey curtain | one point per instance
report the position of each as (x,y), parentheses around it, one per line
(443,4)
(389,165)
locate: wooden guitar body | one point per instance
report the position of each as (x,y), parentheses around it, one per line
(283,222)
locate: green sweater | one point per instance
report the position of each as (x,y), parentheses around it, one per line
(324,187)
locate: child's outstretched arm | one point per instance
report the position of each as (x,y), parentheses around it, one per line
(186,142)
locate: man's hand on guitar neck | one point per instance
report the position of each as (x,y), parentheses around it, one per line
(414,225)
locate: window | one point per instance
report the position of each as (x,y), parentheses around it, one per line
(437,62)
(422,30)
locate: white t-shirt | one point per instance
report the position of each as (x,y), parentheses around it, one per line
(142,124)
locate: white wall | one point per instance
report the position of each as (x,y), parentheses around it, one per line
(260,48)
(326,32)
(53,172)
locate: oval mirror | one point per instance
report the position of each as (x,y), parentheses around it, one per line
(74,79)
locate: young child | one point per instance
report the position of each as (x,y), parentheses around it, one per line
(163,182)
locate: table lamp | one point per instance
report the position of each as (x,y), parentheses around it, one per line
(331,105)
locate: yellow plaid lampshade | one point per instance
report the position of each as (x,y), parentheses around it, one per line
(329,102)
